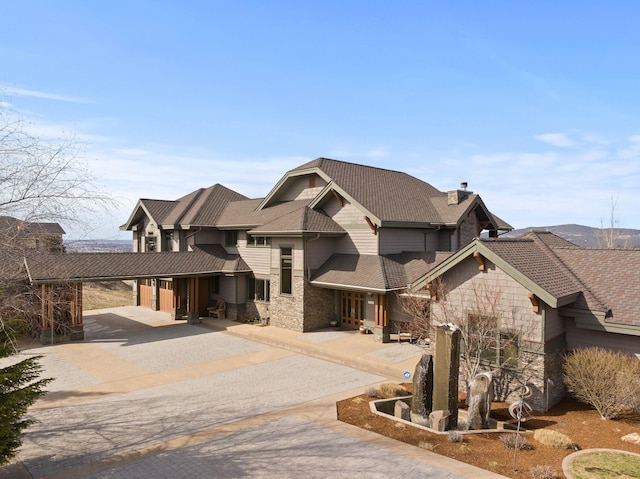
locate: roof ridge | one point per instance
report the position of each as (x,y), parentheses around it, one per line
(323,159)
(196,196)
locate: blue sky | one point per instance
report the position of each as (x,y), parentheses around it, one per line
(535,104)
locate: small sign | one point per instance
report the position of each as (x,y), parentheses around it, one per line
(407,374)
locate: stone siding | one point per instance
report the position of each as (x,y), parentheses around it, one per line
(319,307)
(287,311)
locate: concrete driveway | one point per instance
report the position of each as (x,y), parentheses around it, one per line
(147,397)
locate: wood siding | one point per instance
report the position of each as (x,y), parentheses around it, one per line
(513,304)
(397,240)
(257,257)
(302,188)
(318,251)
(585,338)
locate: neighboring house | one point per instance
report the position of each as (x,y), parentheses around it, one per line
(46,308)
(331,241)
(554,295)
(18,234)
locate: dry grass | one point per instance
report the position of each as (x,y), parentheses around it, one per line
(108,294)
(598,465)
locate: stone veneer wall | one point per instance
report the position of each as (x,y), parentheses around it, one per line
(536,368)
(319,307)
(287,311)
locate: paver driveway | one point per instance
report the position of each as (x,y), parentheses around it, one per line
(147,397)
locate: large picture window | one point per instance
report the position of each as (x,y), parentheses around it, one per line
(491,345)
(286,271)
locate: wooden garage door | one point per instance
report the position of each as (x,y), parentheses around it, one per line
(145,293)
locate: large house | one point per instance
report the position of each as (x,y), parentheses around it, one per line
(332,241)
(337,241)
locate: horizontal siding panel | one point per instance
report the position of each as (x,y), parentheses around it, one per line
(397,240)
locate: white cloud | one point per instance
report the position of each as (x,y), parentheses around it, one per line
(42,94)
(561,140)
(562,186)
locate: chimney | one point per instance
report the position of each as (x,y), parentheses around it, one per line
(454,197)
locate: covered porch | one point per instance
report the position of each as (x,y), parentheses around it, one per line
(176,282)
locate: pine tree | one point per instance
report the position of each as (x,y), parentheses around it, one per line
(19,389)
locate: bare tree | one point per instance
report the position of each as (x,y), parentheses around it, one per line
(610,235)
(41,180)
(492,330)
(415,305)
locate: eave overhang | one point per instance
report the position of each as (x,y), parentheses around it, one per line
(476,246)
(347,287)
(596,321)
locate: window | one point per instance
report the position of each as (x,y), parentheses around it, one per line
(258,241)
(230,238)
(214,286)
(258,289)
(151,243)
(167,241)
(286,271)
(492,346)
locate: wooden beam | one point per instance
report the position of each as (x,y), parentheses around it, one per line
(433,291)
(480,260)
(338,197)
(374,228)
(535,302)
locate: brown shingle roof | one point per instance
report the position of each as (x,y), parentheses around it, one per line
(243,214)
(612,277)
(389,195)
(531,257)
(376,273)
(202,207)
(394,196)
(301,220)
(204,259)
(16,228)
(158,209)
(607,280)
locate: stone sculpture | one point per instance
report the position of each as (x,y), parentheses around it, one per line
(479,400)
(421,402)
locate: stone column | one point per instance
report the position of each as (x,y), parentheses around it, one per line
(446,372)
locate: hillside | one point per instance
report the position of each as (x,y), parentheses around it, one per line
(586,236)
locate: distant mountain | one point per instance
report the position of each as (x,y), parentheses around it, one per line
(98,246)
(586,236)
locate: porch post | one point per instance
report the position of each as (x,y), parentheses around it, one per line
(176,308)
(382,330)
(193,316)
(47,333)
(75,306)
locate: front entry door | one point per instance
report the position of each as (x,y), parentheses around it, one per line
(351,309)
